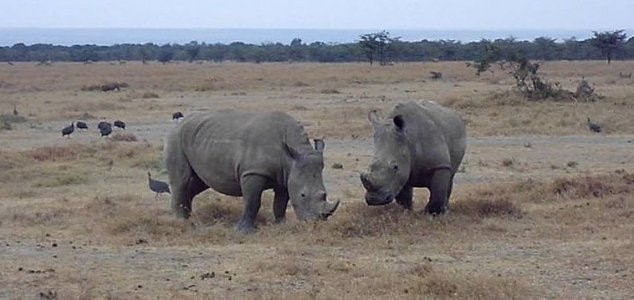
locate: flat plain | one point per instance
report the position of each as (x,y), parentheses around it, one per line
(542,207)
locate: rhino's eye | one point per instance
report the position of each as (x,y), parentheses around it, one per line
(395,167)
(303,195)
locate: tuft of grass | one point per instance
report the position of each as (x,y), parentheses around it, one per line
(486,208)
(123,137)
(593,186)
(149,95)
(330,91)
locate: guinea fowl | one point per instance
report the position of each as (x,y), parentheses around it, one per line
(68,130)
(81,125)
(177,115)
(103,124)
(120,124)
(594,127)
(105,130)
(157,186)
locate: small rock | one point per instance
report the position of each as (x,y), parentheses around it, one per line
(54,245)
(337,166)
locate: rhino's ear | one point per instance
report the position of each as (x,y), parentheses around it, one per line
(374,118)
(292,152)
(399,122)
(319,145)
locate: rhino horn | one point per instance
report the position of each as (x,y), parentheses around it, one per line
(330,208)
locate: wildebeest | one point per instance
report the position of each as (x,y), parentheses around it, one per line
(243,154)
(416,145)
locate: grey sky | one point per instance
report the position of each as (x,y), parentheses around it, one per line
(326,14)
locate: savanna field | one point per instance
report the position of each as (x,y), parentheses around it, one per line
(541,207)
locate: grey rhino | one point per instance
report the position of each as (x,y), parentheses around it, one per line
(416,145)
(243,154)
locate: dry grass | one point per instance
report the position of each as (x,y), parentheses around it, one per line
(547,220)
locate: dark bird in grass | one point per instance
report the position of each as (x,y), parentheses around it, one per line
(81,125)
(105,130)
(157,186)
(68,130)
(177,115)
(594,127)
(103,124)
(120,124)
(15,110)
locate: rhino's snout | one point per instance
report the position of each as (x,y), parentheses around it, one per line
(367,184)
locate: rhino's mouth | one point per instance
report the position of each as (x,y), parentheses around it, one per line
(378,198)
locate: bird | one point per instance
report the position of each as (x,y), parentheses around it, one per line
(177,115)
(103,124)
(120,124)
(81,125)
(157,186)
(15,110)
(594,127)
(105,130)
(68,130)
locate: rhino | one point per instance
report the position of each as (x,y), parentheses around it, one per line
(415,145)
(243,154)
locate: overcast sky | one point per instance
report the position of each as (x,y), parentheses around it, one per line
(322,14)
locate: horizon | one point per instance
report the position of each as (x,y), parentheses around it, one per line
(113,36)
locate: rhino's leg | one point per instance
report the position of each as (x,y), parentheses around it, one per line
(449,188)
(252,187)
(184,189)
(439,191)
(404,197)
(280,202)
(184,183)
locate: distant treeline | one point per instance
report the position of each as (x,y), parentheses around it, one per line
(542,48)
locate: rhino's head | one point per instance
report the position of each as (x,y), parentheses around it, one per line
(390,166)
(305,184)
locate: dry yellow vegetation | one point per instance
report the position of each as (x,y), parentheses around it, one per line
(542,208)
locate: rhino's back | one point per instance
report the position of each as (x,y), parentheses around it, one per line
(221,146)
(438,132)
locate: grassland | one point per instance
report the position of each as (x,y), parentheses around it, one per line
(542,208)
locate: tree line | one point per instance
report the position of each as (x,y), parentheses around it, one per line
(377,47)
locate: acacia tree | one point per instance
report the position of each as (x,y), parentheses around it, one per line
(376,44)
(193,50)
(608,42)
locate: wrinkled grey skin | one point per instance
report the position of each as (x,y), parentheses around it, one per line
(243,154)
(416,145)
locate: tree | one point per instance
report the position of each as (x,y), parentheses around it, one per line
(192,49)
(608,42)
(165,55)
(376,44)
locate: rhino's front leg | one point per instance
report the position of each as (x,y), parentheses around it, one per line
(439,191)
(404,197)
(252,187)
(280,202)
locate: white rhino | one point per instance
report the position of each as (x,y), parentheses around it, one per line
(243,154)
(416,145)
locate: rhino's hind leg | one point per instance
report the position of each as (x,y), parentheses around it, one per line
(252,187)
(184,194)
(439,192)
(404,197)
(280,202)
(184,182)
